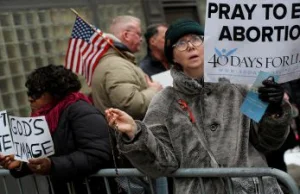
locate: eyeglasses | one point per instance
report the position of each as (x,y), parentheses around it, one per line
(34,95)
(137,33)
(196,41)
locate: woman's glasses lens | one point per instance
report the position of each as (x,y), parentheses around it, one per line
(183,44)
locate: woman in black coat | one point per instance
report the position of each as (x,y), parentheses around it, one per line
(79,132)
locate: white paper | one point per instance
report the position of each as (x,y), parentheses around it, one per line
(292,156)
(31,137)
(164,78)
(240,60)
(6,143)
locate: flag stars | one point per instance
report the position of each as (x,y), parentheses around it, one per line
(86,47)
(82,30)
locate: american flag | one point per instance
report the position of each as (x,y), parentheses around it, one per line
(86,47)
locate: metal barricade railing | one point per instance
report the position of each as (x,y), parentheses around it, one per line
(259,173)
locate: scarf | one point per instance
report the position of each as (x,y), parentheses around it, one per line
(189,86)
(52,111)
(185,84)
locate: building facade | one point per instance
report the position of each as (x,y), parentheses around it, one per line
(35,33)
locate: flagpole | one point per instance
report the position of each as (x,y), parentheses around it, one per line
(76,13)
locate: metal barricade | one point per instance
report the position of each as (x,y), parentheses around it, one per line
(26,185)
(259,173)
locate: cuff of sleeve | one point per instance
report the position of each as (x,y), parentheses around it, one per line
(20,167)
(127,140)
(149,93)
(135,143)
(279,120)
(52,168)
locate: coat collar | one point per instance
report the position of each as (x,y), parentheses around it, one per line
(189,86)
(122,48)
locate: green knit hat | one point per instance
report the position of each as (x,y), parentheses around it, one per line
(178,29)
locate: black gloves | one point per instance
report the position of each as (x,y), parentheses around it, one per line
(272,93)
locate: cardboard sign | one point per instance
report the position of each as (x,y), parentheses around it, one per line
(242,39)
(31,137)
(6,143)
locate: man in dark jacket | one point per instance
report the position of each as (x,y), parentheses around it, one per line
(155,61)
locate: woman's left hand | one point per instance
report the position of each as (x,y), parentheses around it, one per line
(121,121)
(40,166)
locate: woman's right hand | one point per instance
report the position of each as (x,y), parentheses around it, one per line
(121,121)
(8,162)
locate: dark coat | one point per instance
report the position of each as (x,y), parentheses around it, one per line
(81,143)
(293,90)
(151,66)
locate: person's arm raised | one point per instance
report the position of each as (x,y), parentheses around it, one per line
(121,121)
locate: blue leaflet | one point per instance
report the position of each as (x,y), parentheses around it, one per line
(252,106)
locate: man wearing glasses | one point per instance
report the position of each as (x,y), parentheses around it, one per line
(117,81)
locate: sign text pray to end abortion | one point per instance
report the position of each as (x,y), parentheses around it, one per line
(263,33)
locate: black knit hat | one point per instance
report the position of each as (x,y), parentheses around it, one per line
(178,29)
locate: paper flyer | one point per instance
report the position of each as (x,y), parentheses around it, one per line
(252,106)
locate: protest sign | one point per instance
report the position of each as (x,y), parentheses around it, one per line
(244,38)
(164,78)
(6,143)
(31,137)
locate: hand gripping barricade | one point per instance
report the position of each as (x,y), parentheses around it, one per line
(10,185)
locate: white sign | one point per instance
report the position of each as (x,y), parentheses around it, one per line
(6,143)
(31,137)
(164,78)
(242,39)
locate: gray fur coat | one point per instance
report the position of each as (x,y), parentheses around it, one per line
(220,135)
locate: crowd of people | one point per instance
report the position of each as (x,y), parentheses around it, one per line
(158,130)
